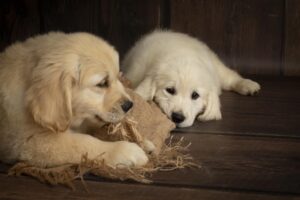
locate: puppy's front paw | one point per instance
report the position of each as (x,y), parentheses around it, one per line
(125,154)
(247,87)
(211,114)
(213,108)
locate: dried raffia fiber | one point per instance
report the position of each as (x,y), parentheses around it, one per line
(144,121)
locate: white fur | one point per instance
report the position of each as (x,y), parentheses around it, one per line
(165,59)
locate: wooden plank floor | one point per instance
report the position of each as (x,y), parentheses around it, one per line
(253,153)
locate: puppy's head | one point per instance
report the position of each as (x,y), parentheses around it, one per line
(180,91)
(77,81)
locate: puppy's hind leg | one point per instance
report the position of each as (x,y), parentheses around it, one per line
(231,80)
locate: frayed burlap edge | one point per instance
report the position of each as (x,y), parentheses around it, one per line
(173,156)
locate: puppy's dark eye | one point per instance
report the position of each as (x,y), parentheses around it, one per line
(171,90)
(103,84)
(195,95)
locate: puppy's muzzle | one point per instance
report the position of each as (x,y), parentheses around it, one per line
(126,106)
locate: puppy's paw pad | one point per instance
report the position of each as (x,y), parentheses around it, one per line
(125,154)
(247,87)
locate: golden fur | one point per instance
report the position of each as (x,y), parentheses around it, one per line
(49,85)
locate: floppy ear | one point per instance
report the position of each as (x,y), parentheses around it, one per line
(146,88)
(49,94)
(212,107)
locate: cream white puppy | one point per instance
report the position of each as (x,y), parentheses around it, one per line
(183,76)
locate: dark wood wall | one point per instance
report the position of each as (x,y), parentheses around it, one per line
(252,36)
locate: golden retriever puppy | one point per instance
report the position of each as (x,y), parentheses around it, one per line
(53,82)
(182,75)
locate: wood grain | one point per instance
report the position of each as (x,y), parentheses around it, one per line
(251,36)
(292,43)
(246,34)
(25,188)
(261,164)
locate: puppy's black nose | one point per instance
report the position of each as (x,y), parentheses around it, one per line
(177,117)
(126,106)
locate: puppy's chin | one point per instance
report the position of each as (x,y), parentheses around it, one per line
(110,117)
(184,124)
(97,120)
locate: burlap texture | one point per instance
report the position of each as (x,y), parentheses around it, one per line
(144,121)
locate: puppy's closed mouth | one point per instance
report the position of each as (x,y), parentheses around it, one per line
(99,118)
(109,118)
